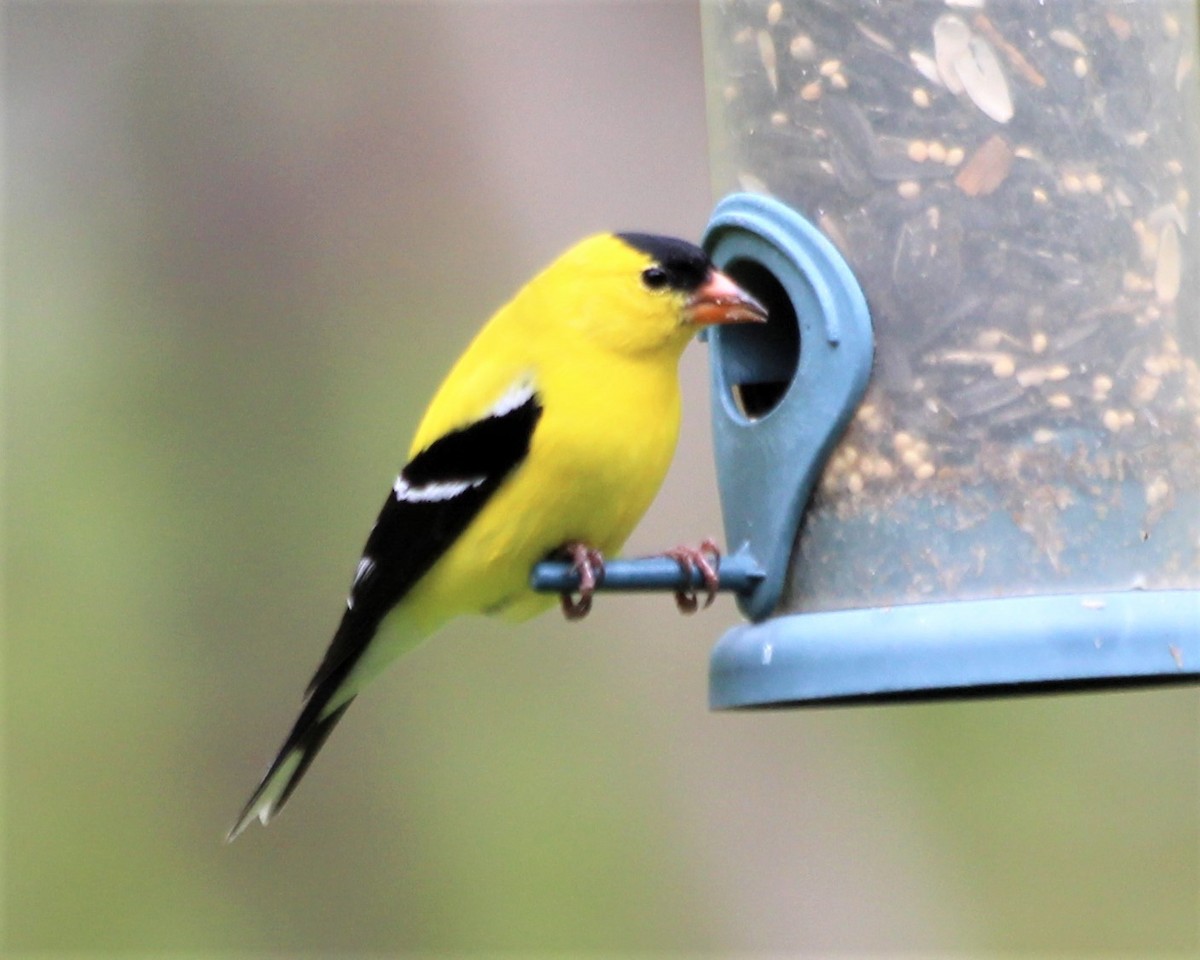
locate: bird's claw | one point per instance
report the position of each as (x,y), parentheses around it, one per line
(589,564)
(691,559)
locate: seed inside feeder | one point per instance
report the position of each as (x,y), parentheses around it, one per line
(1011,185)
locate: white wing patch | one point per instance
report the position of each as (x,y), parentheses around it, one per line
(433,492)
(517,395)
(365,566)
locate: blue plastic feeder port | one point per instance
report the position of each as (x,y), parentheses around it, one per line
(894,565)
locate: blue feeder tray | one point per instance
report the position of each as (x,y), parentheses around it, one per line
(959,649)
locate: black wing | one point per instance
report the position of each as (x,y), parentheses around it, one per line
(436,496)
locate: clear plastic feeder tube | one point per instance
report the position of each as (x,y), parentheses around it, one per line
(1014,184)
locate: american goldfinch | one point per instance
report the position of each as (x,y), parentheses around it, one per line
(551,434)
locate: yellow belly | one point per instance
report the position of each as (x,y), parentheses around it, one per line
(592,471)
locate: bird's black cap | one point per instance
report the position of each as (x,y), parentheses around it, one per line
(685,264)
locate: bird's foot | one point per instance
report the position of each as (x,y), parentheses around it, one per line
(707,559)
(589,564)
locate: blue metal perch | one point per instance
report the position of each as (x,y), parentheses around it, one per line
(738,573)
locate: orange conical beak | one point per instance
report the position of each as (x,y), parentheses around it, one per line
(720,300)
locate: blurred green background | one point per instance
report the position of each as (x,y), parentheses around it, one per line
(242,243)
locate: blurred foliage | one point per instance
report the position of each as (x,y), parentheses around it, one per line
(242,243)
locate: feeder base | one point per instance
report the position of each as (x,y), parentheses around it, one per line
(960,649)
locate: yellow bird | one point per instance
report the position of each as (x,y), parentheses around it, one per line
(550,435)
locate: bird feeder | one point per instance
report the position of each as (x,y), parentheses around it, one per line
(992,482)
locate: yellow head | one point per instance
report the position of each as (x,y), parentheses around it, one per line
(637,294)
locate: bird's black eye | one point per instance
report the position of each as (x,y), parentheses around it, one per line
(655,278)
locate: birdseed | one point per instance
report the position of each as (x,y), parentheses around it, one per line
(1011,184)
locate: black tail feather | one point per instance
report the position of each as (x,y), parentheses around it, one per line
(290,764)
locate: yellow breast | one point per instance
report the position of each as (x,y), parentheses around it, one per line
(603,359)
